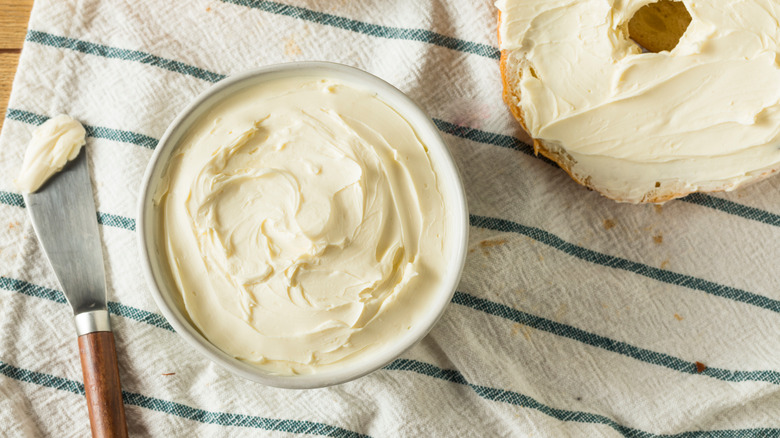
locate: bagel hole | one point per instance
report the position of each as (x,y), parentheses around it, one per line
(658,26)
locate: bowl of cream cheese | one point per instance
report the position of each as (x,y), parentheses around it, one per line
(302,224)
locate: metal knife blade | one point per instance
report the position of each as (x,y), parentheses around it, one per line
(64,218)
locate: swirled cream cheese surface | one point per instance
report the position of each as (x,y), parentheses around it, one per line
(304,224)
(704,113)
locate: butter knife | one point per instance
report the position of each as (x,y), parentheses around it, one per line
(64,218)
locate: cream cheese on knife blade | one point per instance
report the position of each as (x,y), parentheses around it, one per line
(53,144)
(304,225)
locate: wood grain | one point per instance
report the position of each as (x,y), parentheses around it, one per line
(14,15)
(101,385)
(7,70)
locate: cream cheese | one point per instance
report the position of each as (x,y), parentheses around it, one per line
(704,114)
(304,225)
(53,144)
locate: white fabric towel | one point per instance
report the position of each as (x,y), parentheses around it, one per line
(576,316)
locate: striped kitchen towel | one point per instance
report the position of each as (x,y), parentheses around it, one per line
(576,316)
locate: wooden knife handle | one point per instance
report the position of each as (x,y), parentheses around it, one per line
(101,384)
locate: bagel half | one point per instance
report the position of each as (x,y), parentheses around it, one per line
(654,28)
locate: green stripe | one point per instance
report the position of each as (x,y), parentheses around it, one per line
(108,219)
(32,290)
(524,401)
(512,397)
(491,138)
(119,309)
(25,117)
(515,143)
(374,30)
(121,136)
(184,411)
(427,369)
(619,347)
(116,221)
(12,199)
(731,207)
(48,39)
(609,261)
(117,135)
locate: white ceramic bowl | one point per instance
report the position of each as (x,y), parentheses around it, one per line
(156,268)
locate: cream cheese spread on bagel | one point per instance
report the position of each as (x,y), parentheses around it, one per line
(646,127)
(304,224)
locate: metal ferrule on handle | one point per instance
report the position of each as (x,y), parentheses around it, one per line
(90,322)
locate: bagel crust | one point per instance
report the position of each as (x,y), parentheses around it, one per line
(515,64)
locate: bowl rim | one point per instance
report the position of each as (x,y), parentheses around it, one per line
(413,114)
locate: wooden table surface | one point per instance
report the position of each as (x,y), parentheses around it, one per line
(13,26)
